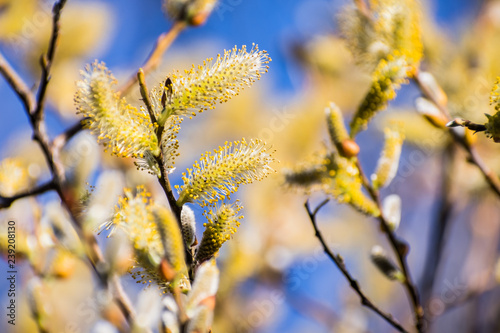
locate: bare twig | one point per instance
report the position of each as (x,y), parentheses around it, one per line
(17,84)
(35,114)
(162,44)
(398,247)
(5,202)
(439,229)
(47,59)
(60,141)
(467,296)
(339,262)
(489,175)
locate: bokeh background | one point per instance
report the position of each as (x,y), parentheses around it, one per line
(275,277)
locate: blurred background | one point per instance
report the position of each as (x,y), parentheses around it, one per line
(275,277)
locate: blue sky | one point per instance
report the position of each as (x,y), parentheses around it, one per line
(273,24)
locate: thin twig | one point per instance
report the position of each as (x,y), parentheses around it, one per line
(17,84)
(162,44)
(145,95)
(47,59)
(489,175)
(6,202)
(63,138)
(339,262)
(35,113)
(397,246)
(439,228)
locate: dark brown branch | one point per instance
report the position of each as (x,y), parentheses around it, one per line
(6,202)
(17,84)
(439,226)
(163,179)
(162,44)
(339,262)
(35,113)
(399,247)
(467,124)
(490,176)
(60,141)
(47,59)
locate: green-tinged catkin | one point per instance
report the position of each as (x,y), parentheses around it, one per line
(153,233)
(172,241)
(219,174)
(222,223)
(386,79)
(122,129)
(387,165)
(305,177)
(338,132)
(493,124)
(201,88)
(385,265)
(345,185)
(394,27)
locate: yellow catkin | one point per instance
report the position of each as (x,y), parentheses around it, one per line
(148,227)
(219,174)
(122,129)
(14,177)
(386,79)
(202,87)
(493,124)
(222,223)
(345,185)
(394,27)
(336,127)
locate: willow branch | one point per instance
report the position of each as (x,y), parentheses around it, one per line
(6,202)
(35,113)
(60,141)
(163,179)
(47,59)
(440,225)
(490,176)
(398,247)
(339,262)
(17,84)
(162,44)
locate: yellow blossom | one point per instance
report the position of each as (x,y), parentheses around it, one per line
(14,177)
(202,87)
(345,185)
(219,174)
(122,129)
(223,222)
(153,232)
(394,26)
(386,79)
(493,124)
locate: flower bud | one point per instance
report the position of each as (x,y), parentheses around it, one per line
(188,225)
(430,112)
(385,265)
(391,207)
(387,165)
(430,84)
(193,12)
